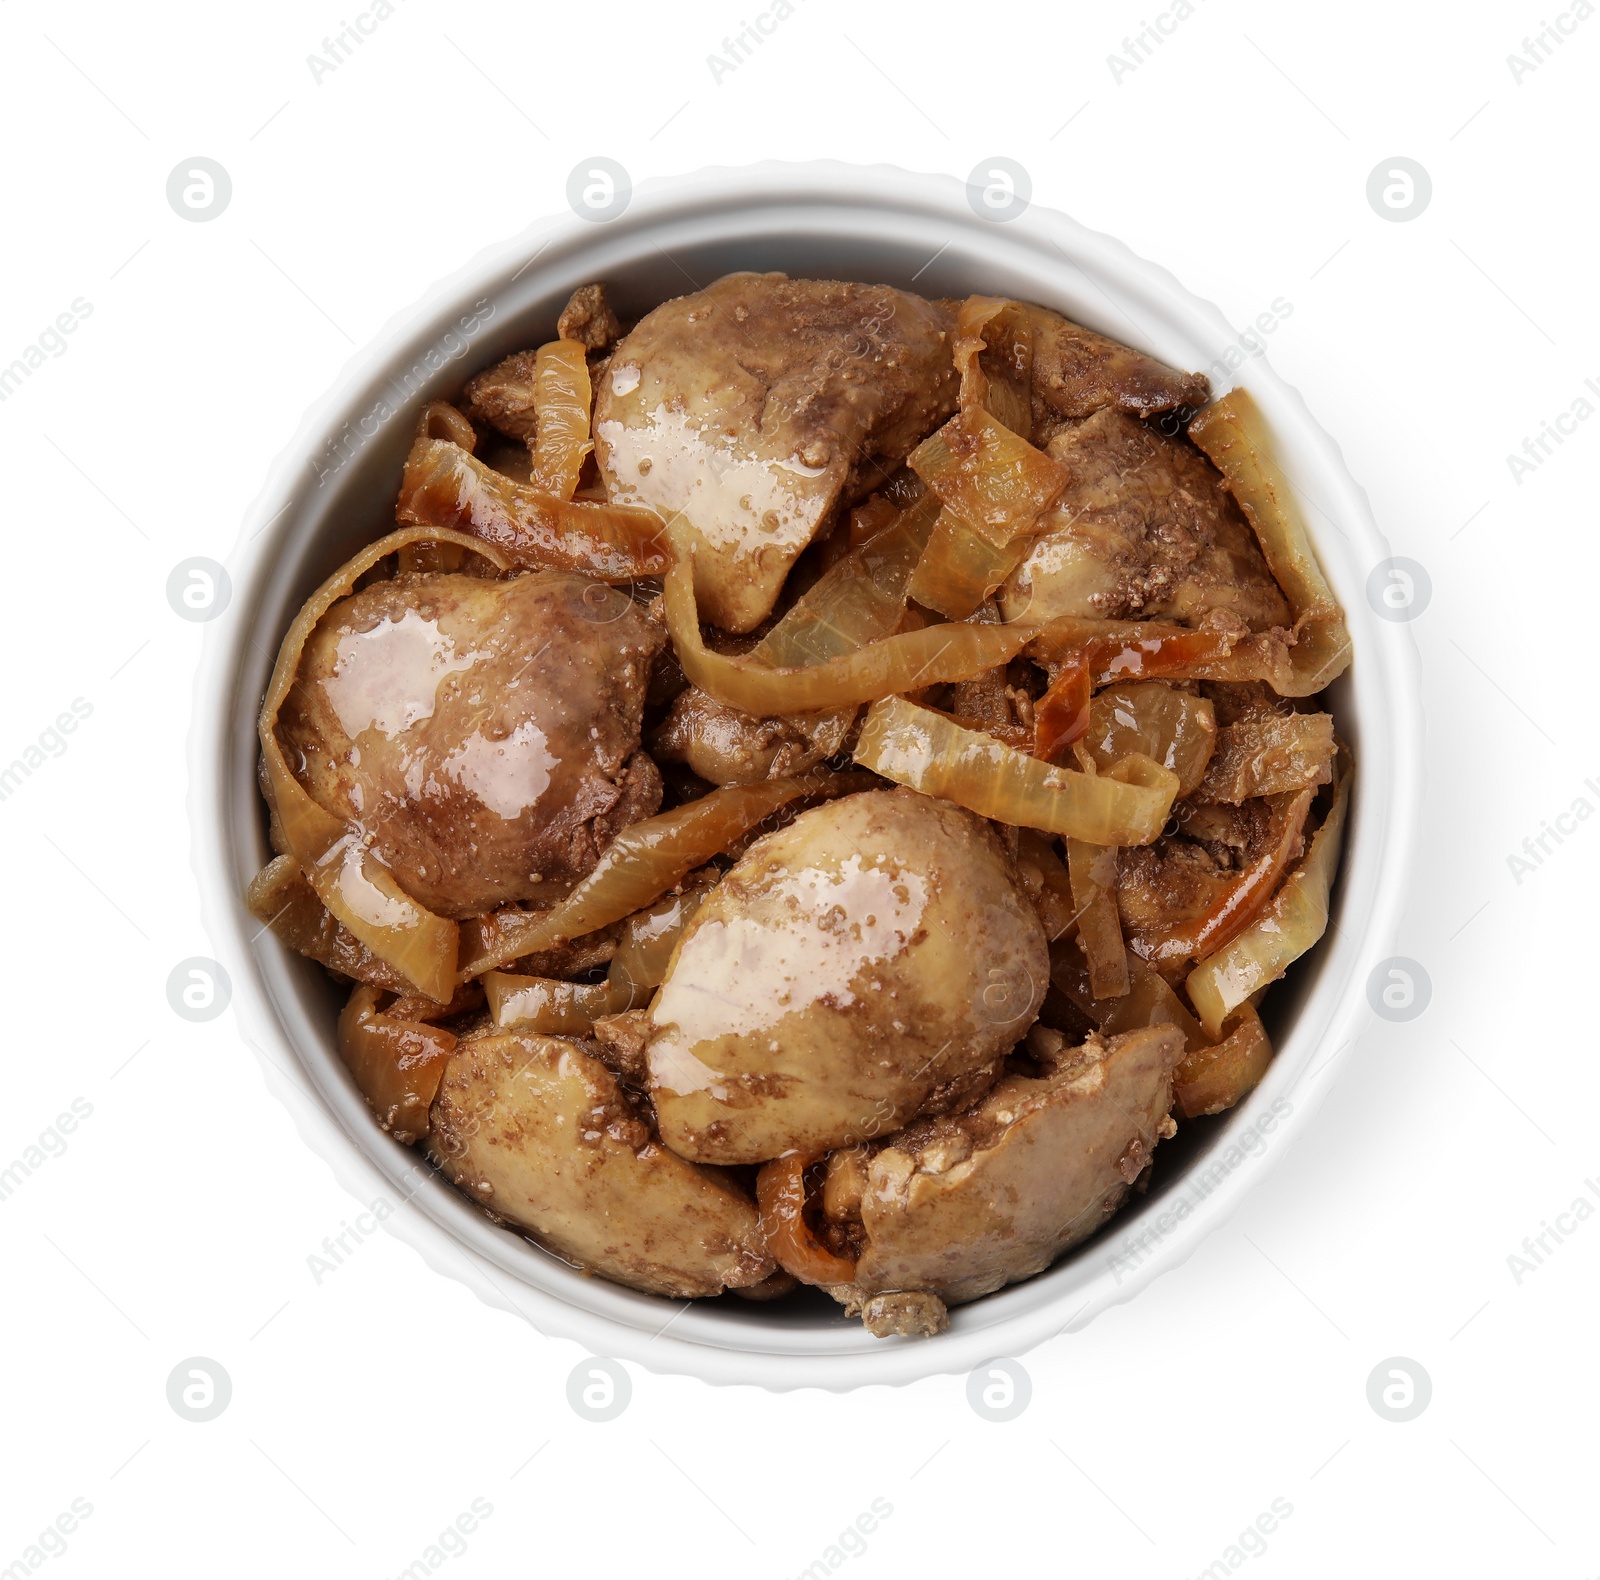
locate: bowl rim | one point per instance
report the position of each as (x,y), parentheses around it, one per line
(1145,1239)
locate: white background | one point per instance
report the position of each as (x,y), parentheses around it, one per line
(371,1409)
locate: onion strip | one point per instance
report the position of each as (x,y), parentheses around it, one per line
(1004,329)
(932,656)
(1177,730)
(1156,650)
(1061,715)
(993,479)
(441,420)
(644,861)
(397,1064)
(561,401)
(1149,1001)
(1291,923)
(996,486)
(1174,728)
(281,897)
(859,600)
(1243,899)
(960,568)
(1093,871)
(354,885)
(781,1196)
(930,752)
(875,514)
(1215,1077)
(645,949)
(1269,753)
(1233,433)
(545,1005)
(444,486)
(1212,1076)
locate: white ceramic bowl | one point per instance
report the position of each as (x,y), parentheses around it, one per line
(333,489)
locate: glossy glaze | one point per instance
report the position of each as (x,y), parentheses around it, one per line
(849,965)
(484,734)
(748,406)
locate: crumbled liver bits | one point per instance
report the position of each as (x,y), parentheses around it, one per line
(905,1314)
(588,318)
(502,397)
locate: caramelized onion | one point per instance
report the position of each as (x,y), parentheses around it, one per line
(1213,1075)
(1003,329)
(1149,1001)
(932,656)
(1243,899)
(363,894)
(645,949)
(1061,715)
(874,515)
(444,486)
(1176,729)
(1268,753)
(441,420)
(1214,1078)
(545,1005)
(354,885)
(1173,728)
(1093,871)
(928,751)
(858,600)
(1291,922)
(781,1195)
(1233,433)
(397,1064)
(561,401)
(643,862)
(995,487)
(281,897)
(960,567)
(1047,883)
(1155,650)
(993,479)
